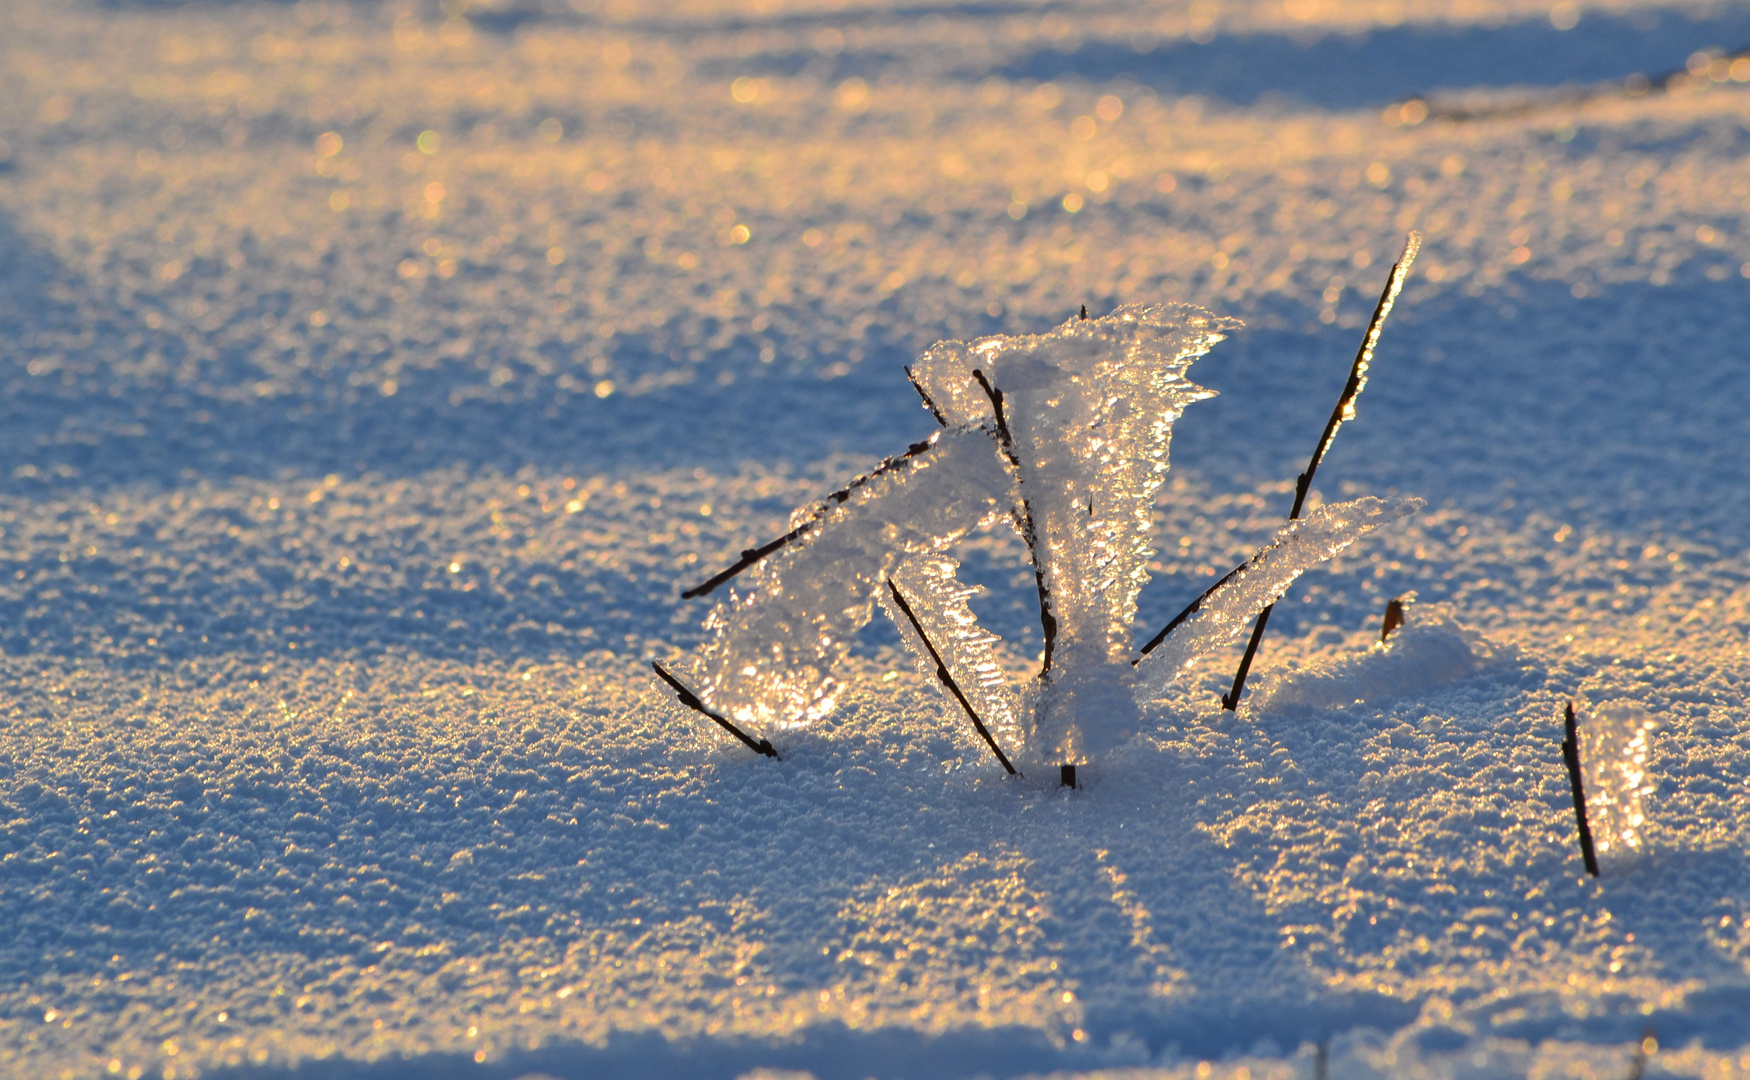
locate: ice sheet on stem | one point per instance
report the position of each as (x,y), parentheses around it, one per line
(1226,612)
(1088,409)
(939,601)
(776,640)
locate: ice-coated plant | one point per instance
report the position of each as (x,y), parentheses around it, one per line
(1064,436)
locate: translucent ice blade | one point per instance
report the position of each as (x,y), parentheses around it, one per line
(774,646)
(1614,743)
(1090,407)
(1229,609)
(969,651)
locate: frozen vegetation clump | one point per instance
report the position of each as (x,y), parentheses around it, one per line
(1064,437)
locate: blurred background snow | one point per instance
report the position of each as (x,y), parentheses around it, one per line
(376,376)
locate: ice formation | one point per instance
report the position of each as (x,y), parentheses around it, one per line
(1227,610)
(1615,738)
(1066,436)
(773,647)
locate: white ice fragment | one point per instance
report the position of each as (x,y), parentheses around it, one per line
(939,602)
(774,646)
(1231,607)
(1430,650)
(1615,738)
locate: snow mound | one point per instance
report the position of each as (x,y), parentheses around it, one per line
(1429,651)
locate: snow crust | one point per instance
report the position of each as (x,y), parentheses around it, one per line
(377,376)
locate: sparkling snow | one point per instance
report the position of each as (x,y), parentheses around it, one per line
(377,377)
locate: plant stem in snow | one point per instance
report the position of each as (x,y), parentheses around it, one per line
(691,701)
(1029,531)
(947,679)
(1571,755)
(1345,410)
(925,394)
(754,555)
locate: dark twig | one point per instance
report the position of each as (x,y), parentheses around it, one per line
(1394,618)
(691,701)
(1345,410)
(928,404)
(947,679)
(1571,755)
(1084,313)
(1029,530)
(1189,611)
(837,498)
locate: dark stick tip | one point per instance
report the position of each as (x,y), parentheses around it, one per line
(1394,617)
(691,701)
(1066,775)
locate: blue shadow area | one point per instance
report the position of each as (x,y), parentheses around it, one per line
(1328,71)
(1372,69)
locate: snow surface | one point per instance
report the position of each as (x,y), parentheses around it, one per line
(376,378)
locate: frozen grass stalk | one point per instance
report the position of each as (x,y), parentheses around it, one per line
(947,679)
(691,701)
(1345,410)
(1576,781)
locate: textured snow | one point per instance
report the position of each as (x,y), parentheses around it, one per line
(376,377)
(1431,650)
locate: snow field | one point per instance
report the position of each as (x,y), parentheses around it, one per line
(350,482)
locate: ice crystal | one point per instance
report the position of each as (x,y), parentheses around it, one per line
(1615,740)
(774,645)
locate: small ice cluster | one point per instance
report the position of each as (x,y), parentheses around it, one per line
(1065,437)
(1614,742)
